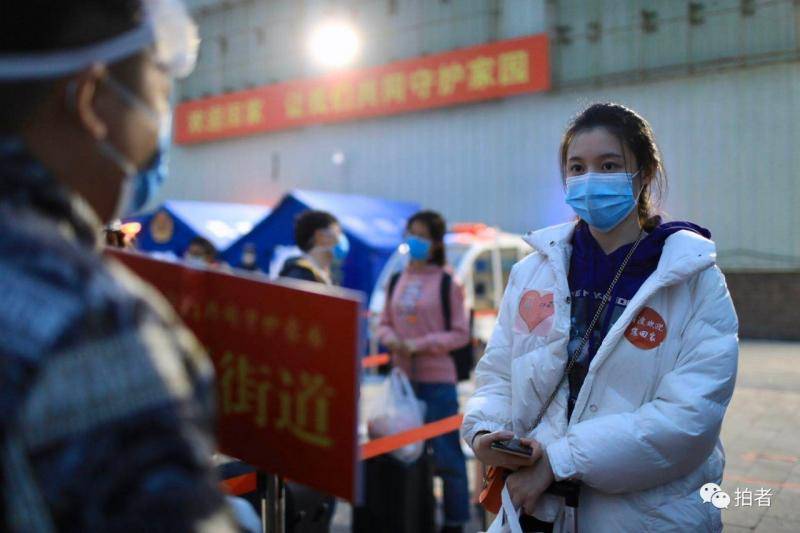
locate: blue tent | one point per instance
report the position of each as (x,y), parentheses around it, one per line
(172,226)
(374,226)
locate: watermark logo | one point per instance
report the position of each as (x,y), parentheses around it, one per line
(708,490)
(721,500)
(713,494)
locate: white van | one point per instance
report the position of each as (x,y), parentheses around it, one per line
(481,259)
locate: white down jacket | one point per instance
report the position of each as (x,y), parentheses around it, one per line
(644,435)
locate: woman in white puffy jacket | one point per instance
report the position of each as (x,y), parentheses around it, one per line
(636,422)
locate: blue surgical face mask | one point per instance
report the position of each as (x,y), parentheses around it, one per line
(149,179)
(342,248)
(418,248)
(140,185)
(602,200)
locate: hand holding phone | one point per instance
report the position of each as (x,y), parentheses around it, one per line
(503,449)
(513,446)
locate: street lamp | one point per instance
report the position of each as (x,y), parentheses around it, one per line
(334,43)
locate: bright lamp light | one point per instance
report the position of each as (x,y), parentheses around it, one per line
(334,43)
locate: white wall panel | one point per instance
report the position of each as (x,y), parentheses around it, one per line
(730,142)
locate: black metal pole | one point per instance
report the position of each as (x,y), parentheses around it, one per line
(272,495)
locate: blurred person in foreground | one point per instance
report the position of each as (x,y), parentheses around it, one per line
(320,237)
(106,397)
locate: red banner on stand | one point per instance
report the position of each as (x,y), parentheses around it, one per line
(473,74)
(286,364)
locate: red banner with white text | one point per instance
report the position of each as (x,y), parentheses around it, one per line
(467,75)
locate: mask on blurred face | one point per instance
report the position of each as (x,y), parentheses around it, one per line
(140,185)
(418,248)
(342,248)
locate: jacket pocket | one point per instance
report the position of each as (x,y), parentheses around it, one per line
(687,513)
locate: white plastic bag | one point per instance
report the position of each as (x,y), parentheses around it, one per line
(508,518)
(395,409)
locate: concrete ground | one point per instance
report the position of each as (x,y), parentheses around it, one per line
(761,435)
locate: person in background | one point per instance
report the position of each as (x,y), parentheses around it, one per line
(319,236)
(412,326)
(106,398)
(641,310)
(323,243)
(250,258)
(201,252)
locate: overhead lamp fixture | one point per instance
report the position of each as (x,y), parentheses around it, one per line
(334,43)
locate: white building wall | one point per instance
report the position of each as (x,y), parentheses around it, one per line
(731,143)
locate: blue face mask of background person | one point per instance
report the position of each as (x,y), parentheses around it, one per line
(418,248)
(603,200)
(342,248)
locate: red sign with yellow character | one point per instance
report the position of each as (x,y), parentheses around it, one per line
(286,364)
(468,75)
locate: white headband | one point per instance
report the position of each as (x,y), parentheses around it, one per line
(167,25)
(47,65)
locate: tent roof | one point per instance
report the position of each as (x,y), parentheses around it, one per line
(220,223)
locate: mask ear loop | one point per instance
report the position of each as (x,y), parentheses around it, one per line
(641,190)
(71,100)
(638,196)
(133,100)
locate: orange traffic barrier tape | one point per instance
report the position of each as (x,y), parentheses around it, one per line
(371,361)
(388,444)
(239,485)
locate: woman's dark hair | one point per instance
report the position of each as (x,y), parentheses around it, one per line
(437,227)
(306,225)
(634,133)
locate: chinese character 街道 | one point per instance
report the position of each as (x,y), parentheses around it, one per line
(300,405)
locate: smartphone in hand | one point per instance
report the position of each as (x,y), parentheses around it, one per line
(513,447)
